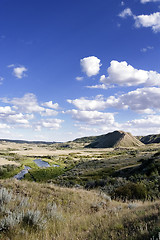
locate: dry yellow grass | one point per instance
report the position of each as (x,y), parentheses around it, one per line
(4,161)
(85,215)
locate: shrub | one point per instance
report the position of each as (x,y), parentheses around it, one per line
(10,221)
(5,196)
(52,211)
(131,191)
(33,218)
(105,196)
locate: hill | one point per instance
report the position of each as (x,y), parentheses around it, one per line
(149,139)
(115,139)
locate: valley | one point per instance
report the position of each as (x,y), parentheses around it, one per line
(74,189)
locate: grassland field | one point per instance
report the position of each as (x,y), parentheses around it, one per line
(93,194)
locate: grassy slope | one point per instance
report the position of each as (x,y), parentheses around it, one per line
(80,215)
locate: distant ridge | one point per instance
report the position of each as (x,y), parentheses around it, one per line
(149,139)
(115,139)
(25,141)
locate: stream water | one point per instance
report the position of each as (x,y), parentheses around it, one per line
(21,174)
(40,163)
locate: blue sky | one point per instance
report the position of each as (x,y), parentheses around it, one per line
(78,68)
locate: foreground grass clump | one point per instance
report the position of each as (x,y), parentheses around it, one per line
(32,211)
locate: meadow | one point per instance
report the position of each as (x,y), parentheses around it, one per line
(93,194)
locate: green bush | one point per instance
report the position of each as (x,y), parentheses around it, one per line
(131,191)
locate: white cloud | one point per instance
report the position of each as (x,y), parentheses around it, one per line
(8,115)
(98,86)
(50,104)
(79,78)
(152,20)
(92,117)
(21,114)
(14,118)
(6,110)
(146,1)
(48,112)
(88,105)
(4,126)
(123,74)
(11,66)
(143,126)
(103,79)
(126,13)
(147,48)
(142,100)
(104,85)
(148,122)
(18,118)
(90,65)
(27,104)
(122,3)
(53,124)
(19,72)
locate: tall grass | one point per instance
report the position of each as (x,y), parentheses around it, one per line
(45,211)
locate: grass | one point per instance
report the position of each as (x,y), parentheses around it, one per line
(71,214)
(45,174)
(43,211)
(9,171)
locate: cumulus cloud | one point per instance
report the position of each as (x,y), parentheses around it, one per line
(19,72)
(123,74)
(146,1)
(89,105)
(92,117)
(126,13)
(103,79)
(50,104)
(90,65)
(53,124)
(6,110)
(147,122)
(141,100)
(143,126)
(27,104)
(152,20)
(26,112)
(19,118)
(13,118)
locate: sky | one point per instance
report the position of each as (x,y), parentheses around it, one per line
(70,69)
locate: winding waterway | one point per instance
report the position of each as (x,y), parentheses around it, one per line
(40,163)
(21,174)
